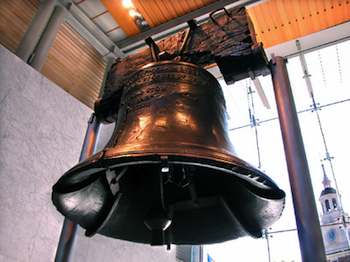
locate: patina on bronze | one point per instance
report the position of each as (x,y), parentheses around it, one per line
(169,174)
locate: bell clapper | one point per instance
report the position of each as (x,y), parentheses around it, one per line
(193,194)
(158,220)
(186,181)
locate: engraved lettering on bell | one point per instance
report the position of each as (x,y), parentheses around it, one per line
(169,173)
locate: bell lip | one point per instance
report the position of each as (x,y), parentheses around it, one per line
(92,163)
(270,191)
(274,194)
(222,160)
(241,170)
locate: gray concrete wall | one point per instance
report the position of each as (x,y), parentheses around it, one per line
(41,133)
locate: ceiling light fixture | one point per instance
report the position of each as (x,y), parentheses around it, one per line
(133,13)
(128,4)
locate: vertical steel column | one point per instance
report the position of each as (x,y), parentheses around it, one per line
(69,229)
(35,30)
(309,232)
(48,37)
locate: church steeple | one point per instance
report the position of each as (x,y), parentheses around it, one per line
(326,181)
(328,198)
(335,233)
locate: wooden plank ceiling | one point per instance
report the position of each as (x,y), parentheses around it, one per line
(278,21)
(155,12)
(15,17)
(72,62)
(75,65)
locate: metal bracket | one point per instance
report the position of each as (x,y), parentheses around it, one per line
(154,48)
(235,68)
(192,27)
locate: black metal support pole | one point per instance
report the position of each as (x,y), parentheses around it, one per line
(267,236)
(35,30)
(47,38)
(69,229)
(309,232)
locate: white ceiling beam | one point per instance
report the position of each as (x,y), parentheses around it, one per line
(90,31)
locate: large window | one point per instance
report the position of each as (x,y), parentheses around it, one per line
(262,146)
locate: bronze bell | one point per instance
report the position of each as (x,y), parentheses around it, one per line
(169,174)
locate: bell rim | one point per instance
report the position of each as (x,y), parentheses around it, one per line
(200,161)
(272,192)
(274,195)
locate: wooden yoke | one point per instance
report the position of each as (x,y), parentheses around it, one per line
(226,39)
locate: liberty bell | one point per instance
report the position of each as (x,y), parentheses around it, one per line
(169,174)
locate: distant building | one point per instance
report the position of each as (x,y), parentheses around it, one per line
(335,225)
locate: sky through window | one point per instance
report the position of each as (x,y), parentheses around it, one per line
(330,77)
